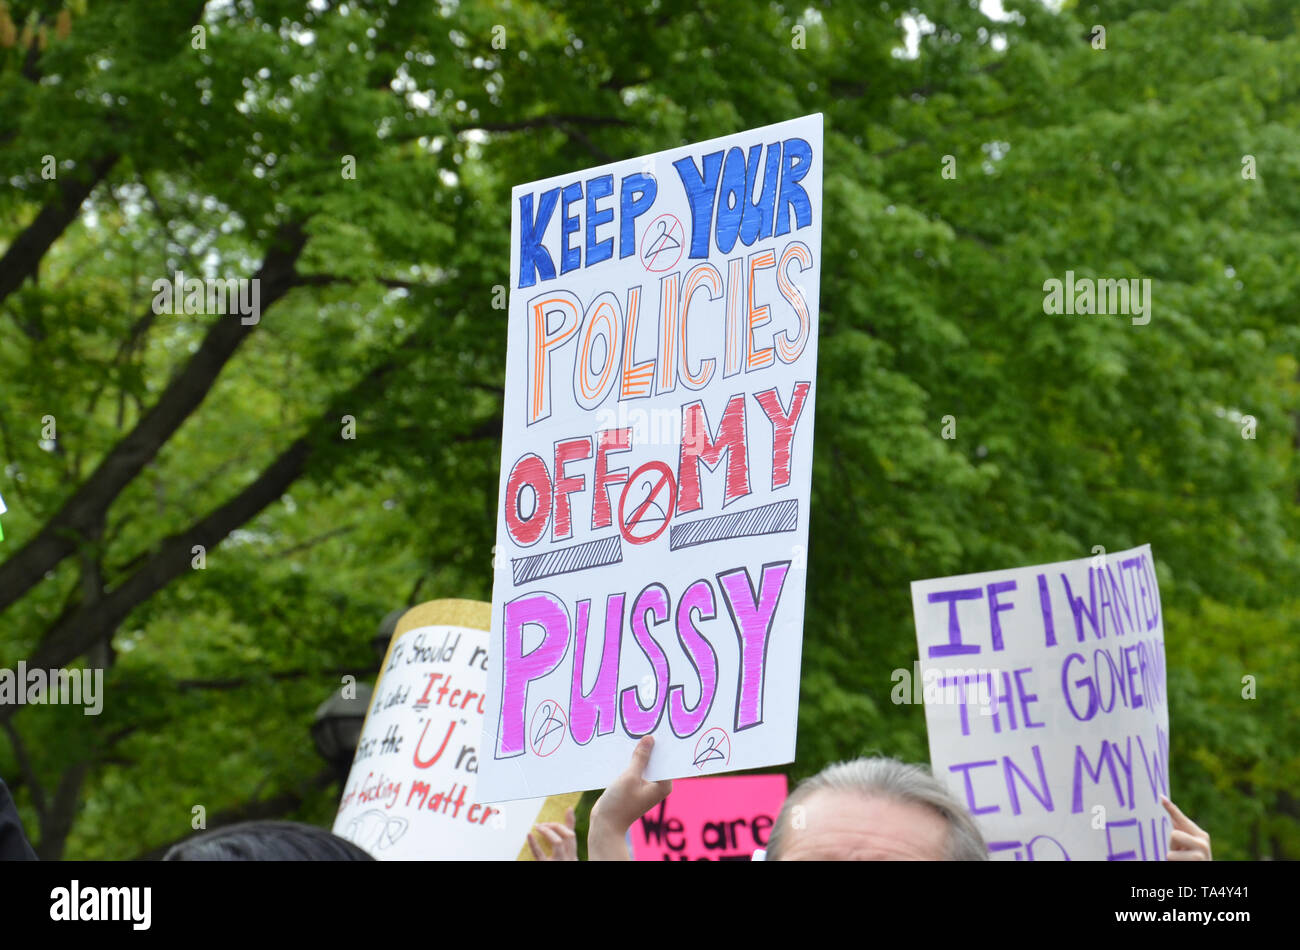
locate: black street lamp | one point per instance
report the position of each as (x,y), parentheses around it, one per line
(387,627)
(337,727)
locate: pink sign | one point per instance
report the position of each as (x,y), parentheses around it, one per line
(724,818)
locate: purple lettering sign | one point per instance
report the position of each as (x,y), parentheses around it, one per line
(1044,692)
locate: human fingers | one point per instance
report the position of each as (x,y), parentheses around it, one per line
(1181,821)
(1197,848)
(640,757)
(562,831)
(532,846)
(567,849)
(655,792)
(625,800)
(1185,826)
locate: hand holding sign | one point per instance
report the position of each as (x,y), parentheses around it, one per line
(1188,842)
(627,799)
(1046,707)
(562,838)
(656,459)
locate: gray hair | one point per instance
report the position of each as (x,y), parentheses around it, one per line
(880,777)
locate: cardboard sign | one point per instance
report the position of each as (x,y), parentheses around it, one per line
(726,818)
(656,456)
(1044,691)
(411,793)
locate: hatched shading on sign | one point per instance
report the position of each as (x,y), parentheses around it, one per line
(656,453)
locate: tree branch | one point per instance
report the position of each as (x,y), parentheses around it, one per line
(183,395)
(25,767)
(77,632)
(57,822)
(23,257)
(80,628)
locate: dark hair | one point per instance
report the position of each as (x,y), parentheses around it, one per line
(267,841)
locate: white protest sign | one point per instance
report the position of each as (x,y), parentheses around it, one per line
(1044,691)
(411,793)
(655,468)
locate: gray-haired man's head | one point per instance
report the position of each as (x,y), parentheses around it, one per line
(874,809)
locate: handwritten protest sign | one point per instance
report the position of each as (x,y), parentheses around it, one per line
(722,818)
(1044,692)
(655,465)
(411,793)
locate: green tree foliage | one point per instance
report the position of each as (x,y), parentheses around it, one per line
(357,158)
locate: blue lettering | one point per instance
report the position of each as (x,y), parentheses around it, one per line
(700,188)
(570,256)
(535,260)
(797,162)
(636,195)
(597,188)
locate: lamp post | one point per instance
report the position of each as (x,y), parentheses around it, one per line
(337,726)
(387,627)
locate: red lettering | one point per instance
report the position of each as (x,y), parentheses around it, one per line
(418,788)
(424,699)
(783,424)
(698,447)
(528,472)
(460,801)
(609,441)
(570,450)
(437,755)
